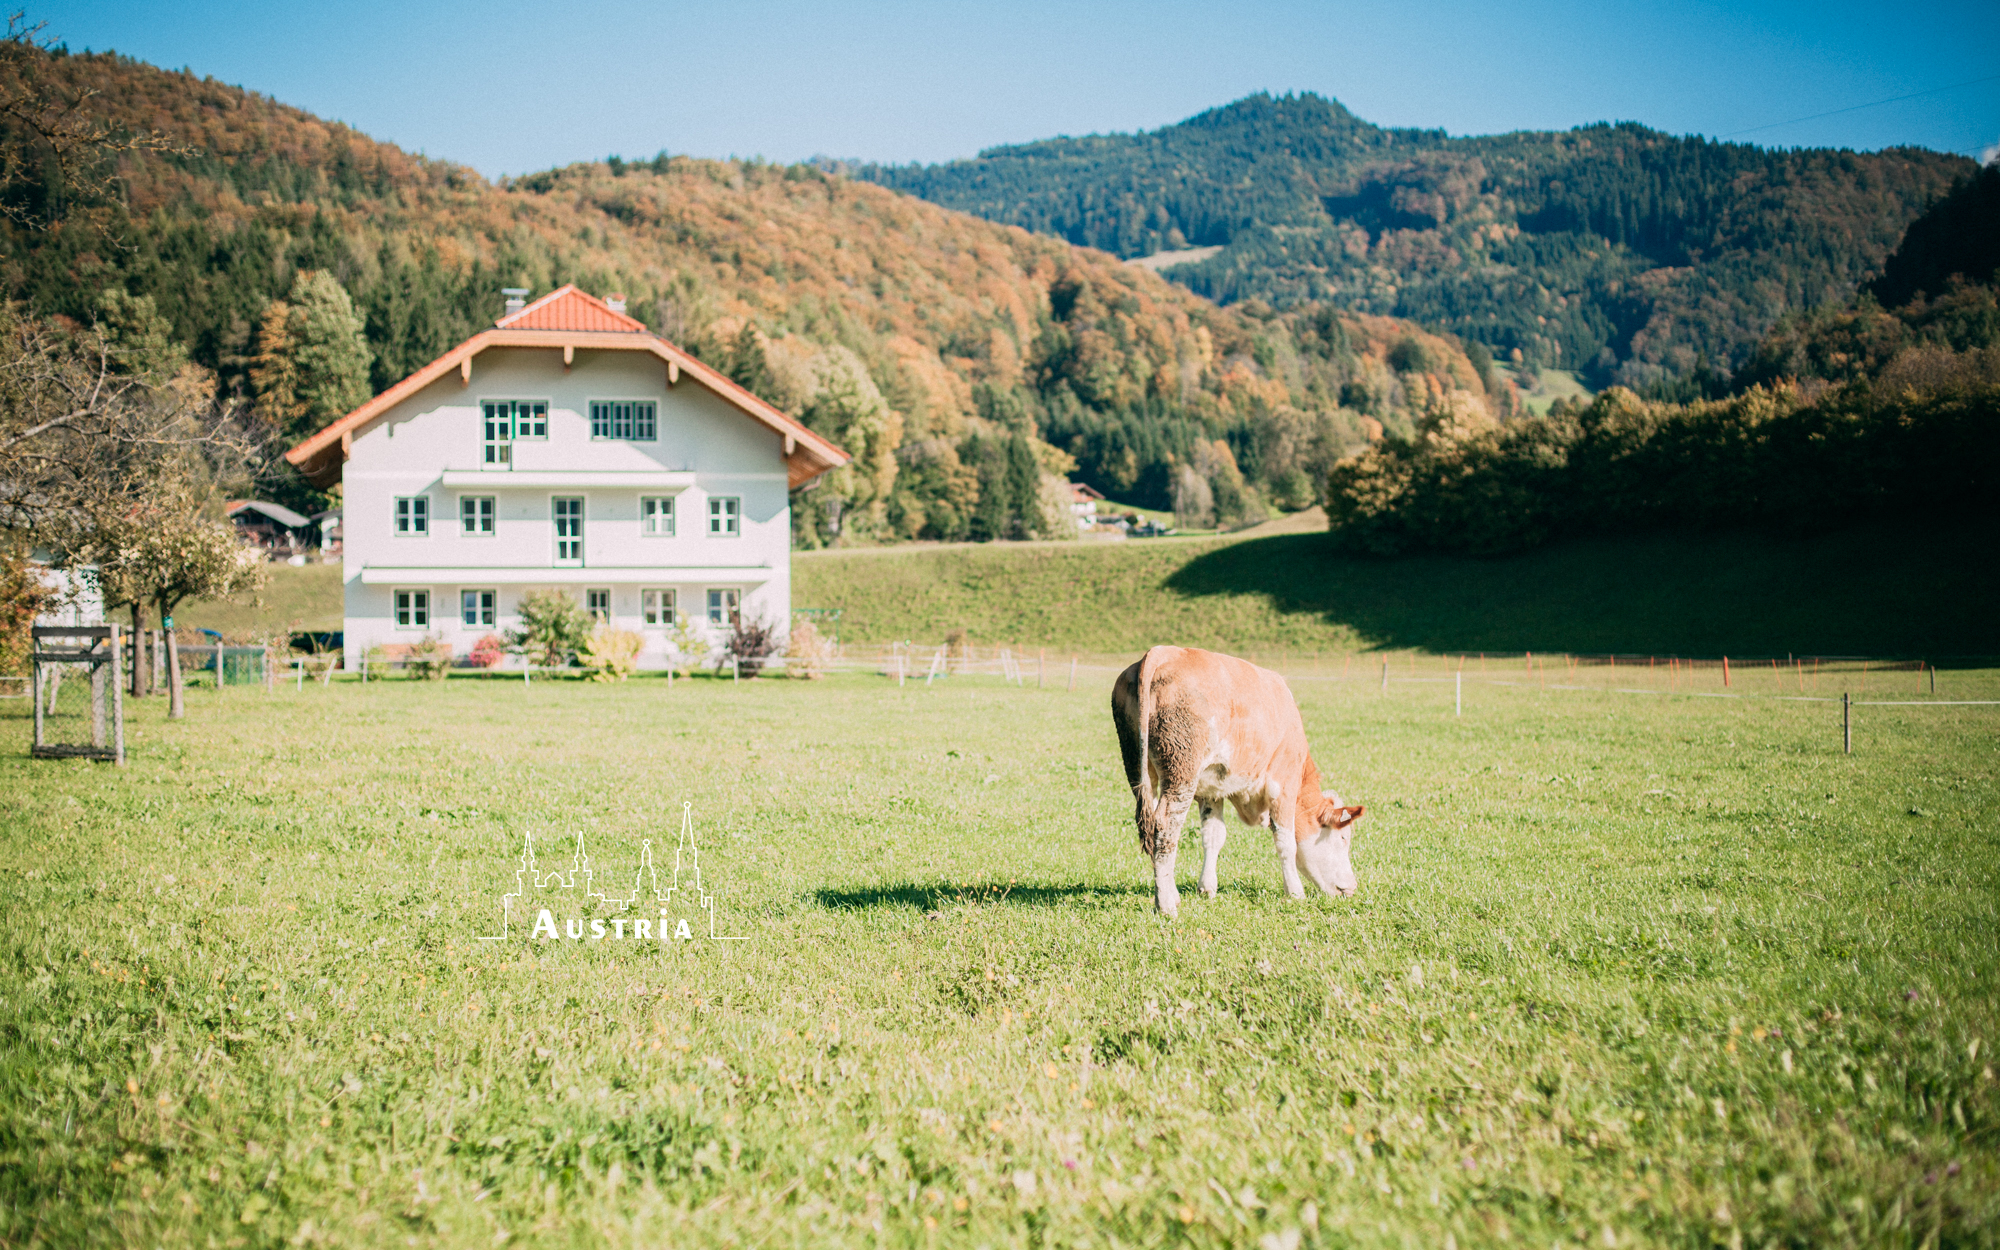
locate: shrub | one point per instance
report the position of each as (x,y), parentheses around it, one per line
(807,652)
(687,647)
(752,643)
(488,651)
(611,654)
(1765,457)
(554,627)
(429,658)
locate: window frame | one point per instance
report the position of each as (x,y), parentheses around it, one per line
(487,606)
(666,509)
(412,516)
(649,420)
(468,516)
(610,604)
(487,443)
(555,530)
(732,514)
(407,604)
(729,609)
(659,607)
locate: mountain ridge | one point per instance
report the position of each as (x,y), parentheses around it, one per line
(1622,251)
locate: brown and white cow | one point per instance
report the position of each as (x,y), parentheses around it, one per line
(1197,725)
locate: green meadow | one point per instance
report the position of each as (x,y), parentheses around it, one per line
(1625,969)
(1908,591)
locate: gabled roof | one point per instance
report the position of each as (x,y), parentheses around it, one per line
(568,320)
(567,308)
(276,511)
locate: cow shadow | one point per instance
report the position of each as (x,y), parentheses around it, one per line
(926,898)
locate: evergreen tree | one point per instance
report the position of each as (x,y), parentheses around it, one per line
(747,366)
(1023,487)
(330,349)
(312,359)
(140,339)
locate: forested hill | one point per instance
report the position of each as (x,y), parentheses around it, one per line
(965,363)
(1613,249)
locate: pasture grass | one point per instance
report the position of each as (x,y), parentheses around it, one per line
(307,597)
(1877,590)
(1624,970)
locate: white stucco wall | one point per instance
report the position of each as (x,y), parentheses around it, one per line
(409,450)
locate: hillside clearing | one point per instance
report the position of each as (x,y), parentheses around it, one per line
(1298,594)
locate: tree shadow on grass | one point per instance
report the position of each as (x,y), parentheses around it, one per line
(1879,589)
(936,897)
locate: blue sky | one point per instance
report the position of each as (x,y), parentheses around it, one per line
(507,86)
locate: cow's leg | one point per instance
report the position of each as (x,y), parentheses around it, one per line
(1166,852)
(1213,834)
(1288,859)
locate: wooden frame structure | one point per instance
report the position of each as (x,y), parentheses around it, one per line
(101,647)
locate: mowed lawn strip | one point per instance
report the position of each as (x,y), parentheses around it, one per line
(1628,970)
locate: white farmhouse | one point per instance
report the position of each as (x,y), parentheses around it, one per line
(566,447)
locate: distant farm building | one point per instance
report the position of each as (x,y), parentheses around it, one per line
(276,529)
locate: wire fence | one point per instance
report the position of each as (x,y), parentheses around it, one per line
(1849,680)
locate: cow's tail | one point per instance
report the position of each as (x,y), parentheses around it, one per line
(1150,803)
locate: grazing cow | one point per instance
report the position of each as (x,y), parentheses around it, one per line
(1198,725)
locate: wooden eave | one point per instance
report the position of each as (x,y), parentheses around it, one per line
(807,455)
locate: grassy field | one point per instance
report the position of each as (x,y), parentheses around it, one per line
(1281,589)
(1865,591)
(306,598)
(1624,970)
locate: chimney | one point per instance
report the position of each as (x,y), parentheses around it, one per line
(616,303)
(517,299)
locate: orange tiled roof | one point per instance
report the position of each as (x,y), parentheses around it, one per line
(567,308)
(568,320)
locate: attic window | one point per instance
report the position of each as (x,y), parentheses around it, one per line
(507,421)
(634,419)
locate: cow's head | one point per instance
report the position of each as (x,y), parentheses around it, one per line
(1325,851)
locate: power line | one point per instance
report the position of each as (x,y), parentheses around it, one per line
(1855,108)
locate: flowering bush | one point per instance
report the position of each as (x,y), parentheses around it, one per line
(488,651)
(611,654)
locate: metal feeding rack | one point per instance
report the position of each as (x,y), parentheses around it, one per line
(97,646)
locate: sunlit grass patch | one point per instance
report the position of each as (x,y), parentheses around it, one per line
(1645,969)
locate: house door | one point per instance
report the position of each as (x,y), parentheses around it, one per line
(569,529)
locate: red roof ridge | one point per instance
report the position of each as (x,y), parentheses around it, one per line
(569,308)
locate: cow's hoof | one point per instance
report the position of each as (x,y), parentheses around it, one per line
(1169,907)
(1208,891)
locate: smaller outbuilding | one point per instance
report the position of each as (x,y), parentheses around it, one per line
(1083,501)
(277,530)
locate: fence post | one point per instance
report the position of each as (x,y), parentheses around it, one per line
(1846,724)
(1933,669)
(35,680)
(118,694)
(97,675)
(1725,672)
(1072,675)
(735,670)
(1385,677)
(1458,693)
